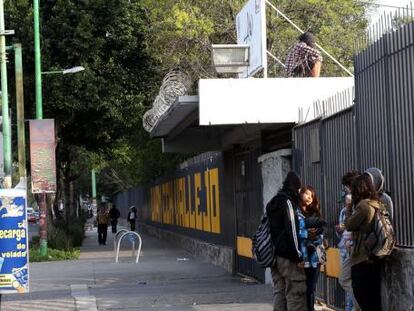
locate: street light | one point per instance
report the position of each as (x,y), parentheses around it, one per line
(230,58)
(64,71)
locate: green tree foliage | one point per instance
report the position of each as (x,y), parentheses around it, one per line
(184,30)
(98,111)
(126,48)
(336,24)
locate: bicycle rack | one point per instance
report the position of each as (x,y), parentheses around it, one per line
(116,237)
(124,234)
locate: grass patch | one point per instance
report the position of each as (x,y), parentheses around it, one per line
(53,255)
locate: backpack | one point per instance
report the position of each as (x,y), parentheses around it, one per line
(380,241)
(262,247)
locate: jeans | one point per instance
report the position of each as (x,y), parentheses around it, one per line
(312,275)
(102,231)
(366,283)
(114,222)
(346,283)
(132,223)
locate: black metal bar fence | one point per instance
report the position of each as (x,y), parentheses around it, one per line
(377,131)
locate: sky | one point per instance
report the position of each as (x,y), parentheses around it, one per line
(380,9)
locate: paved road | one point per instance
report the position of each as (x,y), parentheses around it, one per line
(162,280)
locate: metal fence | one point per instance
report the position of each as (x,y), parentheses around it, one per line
(324,149)
(377,131)
(384,119)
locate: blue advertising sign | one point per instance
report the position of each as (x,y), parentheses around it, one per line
(14,252)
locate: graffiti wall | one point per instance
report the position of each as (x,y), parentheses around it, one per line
(190,201)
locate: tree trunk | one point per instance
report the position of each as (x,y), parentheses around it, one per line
(71,199)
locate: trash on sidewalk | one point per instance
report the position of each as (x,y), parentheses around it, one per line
(248,280)
(142,283)
(183,259)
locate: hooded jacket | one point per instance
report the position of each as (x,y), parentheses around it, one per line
(284,226)
(360,223)
(378,181)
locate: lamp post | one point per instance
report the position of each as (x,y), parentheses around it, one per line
(38,64)
(5,100)
(42,201)
(39,113)
(20,109)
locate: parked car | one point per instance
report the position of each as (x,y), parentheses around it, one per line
(31,217)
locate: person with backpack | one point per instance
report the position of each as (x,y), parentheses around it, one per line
(303,60)
(289,279)
(345,241)
(114,215)
(311,240)
(378,181)
(102,219)
(365,265)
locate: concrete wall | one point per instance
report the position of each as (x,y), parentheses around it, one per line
(219,255)
(398,281)
(275,166)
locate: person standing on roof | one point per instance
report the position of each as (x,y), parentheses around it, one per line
(303,60)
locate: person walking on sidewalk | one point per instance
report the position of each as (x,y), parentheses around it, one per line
(114,215)
(289,280)
(103,221)
(365,270)
(132,217)
(345,243)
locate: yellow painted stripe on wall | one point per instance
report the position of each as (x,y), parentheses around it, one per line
(244,247)
(197,189)
(333,262)
(215,201)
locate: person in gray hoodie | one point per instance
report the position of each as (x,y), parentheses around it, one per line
(378,180)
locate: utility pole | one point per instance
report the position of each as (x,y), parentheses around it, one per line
(38,63)
(5,101)
(39,116)
(94,206)
(20,109)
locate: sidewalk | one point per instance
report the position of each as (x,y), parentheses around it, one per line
(165,279)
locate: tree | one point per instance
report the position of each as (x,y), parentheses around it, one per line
(184,30)
(126,48)
(102,105)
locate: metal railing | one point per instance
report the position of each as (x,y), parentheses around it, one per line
(117,243)
(117,236)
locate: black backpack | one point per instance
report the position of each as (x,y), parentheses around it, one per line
(262,247)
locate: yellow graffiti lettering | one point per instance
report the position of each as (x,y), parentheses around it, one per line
(180,203)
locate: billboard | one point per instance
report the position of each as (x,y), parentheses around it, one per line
(14,251)
(251,30)
(42,155)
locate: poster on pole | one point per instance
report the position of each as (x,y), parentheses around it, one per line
(14,251)
(251,30)
(42,155)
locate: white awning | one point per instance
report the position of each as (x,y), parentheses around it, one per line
(252,101)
